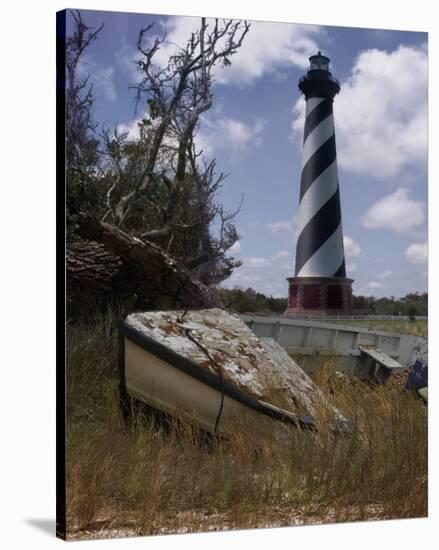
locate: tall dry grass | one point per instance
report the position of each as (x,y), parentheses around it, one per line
(167,477)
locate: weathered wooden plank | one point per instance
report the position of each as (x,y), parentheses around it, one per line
(380,357)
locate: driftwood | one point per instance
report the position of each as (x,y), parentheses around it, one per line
(118,260)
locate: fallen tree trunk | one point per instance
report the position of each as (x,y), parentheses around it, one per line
(97,279)
(160,272)
(90,266)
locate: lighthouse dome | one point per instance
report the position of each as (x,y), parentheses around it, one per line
(319,62)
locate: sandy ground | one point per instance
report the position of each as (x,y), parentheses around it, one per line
(202,523)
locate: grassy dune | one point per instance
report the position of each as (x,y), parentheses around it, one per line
(152,478)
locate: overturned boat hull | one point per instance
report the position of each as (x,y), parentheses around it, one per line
(209,366)
(155,375)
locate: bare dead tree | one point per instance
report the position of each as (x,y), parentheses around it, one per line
(177,95)
(214,263)
(80,146)
(158,187)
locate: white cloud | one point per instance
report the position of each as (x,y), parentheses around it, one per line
(256,262)
(131,128)
(239,277)
(126,58)
(228,134)
(269,46)
(266,48)
(396,212)
(102,78)
(263,274)
(417,253)
(289,227)
(238,134)
(235,248)
(224,133)
(282,254)
(385,274)
(352,248)
(381,113)
(375,284)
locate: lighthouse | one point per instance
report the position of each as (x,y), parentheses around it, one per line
(319,285)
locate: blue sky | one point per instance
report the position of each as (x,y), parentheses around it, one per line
(254,130)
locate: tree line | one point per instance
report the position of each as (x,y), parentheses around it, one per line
(414,303)
(251,301)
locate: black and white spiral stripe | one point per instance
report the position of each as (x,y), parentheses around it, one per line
(319,249)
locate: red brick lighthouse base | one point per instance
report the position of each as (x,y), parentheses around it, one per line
(319,296)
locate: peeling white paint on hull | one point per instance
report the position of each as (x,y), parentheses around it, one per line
(208,362)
